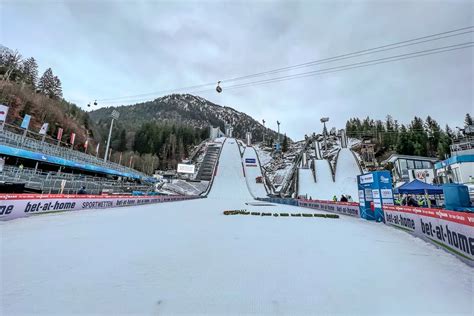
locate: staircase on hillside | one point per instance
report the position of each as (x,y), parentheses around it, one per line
(208,163)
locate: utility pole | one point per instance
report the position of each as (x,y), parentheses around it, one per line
(263,139)
(115,115)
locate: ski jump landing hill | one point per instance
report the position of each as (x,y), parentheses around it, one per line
(187,258)
(322,184)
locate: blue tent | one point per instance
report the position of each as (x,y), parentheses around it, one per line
(419,187)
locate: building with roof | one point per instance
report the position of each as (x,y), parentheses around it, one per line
(459,168)
(407,168)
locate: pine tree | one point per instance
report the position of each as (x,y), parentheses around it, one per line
(284,145)
(434,133)
(404,144)
(468,119)
(57,88)
(122,145)
(30,71)
(50,85)
(10,63)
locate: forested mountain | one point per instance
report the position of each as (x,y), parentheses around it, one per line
(183,109)
(166,129)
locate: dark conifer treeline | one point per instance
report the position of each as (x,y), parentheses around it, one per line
(423,138)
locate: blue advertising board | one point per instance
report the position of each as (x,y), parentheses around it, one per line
(250,160)
(375,191)
(26,121)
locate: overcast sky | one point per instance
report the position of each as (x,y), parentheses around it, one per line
(103,49)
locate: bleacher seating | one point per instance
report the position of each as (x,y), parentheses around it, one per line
(52,182)
(16,140)
(207,166)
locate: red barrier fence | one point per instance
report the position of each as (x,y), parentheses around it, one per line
(22,205)
(453,231)
(345,208)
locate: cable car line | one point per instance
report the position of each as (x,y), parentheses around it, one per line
(342,67)
(351,66)
(396,45)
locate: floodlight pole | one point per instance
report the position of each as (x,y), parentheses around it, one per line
(115,115)
(325,132)
(278,122)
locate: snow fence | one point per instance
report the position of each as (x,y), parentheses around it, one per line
(450,230)
(23,205)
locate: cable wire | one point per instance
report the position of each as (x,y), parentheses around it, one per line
(378,49)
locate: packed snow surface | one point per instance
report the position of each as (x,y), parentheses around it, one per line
(347,170)
(188,258)
(252,171)
(324,188)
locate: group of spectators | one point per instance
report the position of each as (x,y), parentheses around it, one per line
(343,198)
(415,201)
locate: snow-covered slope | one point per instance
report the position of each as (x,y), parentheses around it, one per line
(187,258)
(229,167)
(325,187)
(347,170)
(253,171)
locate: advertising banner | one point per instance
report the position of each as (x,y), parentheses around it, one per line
(73,138)
(26,121)
(345,208)
(185,168)
(22,205)
(3,112)
(43,129)
(453,231)
(250,162)
(60,134)
(366,178)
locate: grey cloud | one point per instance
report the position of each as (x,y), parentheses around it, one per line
(115,48)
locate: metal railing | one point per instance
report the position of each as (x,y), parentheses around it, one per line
(13,139)
(466,143)
(57,182)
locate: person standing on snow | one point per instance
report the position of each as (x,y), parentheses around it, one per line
(334,198)
(343,198)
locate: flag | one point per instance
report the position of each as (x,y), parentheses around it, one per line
(3,112)
(97,148)
(60,134)
(86,144)
(44,129)
(73,138)
(26,121)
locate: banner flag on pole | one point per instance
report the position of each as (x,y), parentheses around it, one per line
(44,129)
(26,121)
(3,112)
(60,134)
(97,148)
(73,138)
(86,144)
